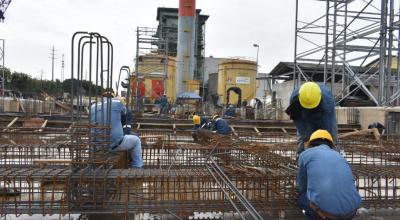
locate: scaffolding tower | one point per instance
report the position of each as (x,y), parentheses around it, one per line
(356,43)
(150,42)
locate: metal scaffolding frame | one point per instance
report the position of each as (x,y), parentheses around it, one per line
(355,42)
(150,41)
(2,54)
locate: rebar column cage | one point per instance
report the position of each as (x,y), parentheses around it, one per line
(353,44)
(89,139)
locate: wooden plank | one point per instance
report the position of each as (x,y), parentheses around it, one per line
(284,130)
(61,105)
(233,130)
(52,161)
(70,127)
(21,105)
(258,132)
(44,162)
(374,131)
(43,126)
(138,126)
(10,124)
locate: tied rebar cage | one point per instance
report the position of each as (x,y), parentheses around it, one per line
(90,139)
(352,47)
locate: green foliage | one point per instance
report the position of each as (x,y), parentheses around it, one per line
(85,87)
(32,87)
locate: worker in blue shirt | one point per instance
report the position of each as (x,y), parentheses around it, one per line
(199,122)
(119,141)
(220,126)
(230,111)
(325,181)
(163,104)
(312,107)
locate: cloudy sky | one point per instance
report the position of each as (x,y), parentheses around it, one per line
(31,28)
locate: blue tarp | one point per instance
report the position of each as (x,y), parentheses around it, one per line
(188,95)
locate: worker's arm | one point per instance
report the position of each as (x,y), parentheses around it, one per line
(302,176)
(123,113)
(328,112)
(294,108)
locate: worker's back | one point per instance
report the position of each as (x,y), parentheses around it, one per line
(221,126)
(98,115)
(328,180)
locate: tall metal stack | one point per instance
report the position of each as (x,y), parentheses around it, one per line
(186,41)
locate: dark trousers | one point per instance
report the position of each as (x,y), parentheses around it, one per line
(310,214)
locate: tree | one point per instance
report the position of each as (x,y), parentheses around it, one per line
(19,81)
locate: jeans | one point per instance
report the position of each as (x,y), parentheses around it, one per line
(133,145)
(304,204)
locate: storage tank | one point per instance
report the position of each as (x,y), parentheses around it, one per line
(156,77)
(236,80)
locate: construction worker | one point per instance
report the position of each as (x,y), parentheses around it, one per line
(119,141)
(230,111)
(325,181)
(220,126)
(312,107)
(379,126)
(126,118)
(163,104)
(199,122)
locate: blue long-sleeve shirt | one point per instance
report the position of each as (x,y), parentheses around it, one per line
(221,126)
(326,177)
(203,122)
(163,102)
(99,116)
(309,120)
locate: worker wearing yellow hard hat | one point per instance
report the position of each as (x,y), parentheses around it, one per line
(325,181)
(220,126)
(320,136)
(196,120)
(312,107)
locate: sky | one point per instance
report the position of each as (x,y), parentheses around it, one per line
(32,28)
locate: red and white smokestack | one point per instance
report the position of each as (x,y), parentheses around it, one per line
(186,42)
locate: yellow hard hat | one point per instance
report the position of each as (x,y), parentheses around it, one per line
(309,95)
(215,116)
(321,134)
(196,119)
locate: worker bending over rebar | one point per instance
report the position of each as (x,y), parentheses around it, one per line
(312,107)
(325,181)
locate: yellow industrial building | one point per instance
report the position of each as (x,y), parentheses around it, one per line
(236,76)
(236,79)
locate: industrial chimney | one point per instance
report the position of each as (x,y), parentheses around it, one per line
(186,42)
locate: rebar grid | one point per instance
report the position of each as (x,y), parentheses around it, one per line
(69,177)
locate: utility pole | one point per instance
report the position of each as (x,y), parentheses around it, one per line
(52,62)
(41,79)
(62,67)
(2,54)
